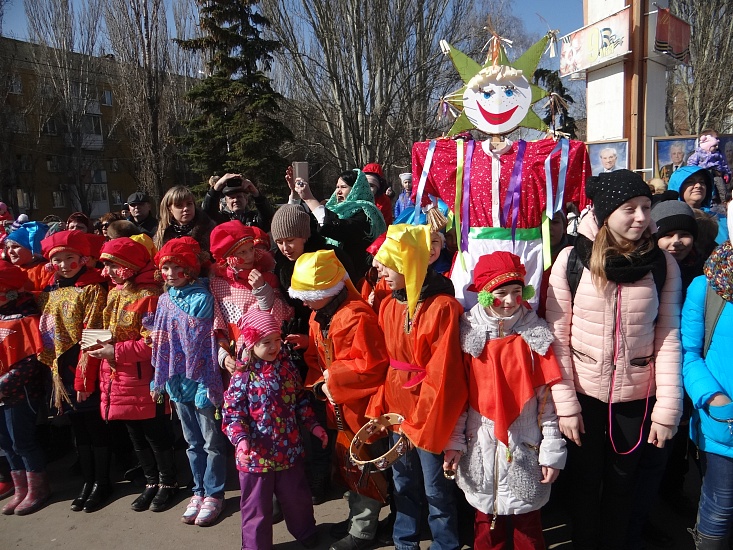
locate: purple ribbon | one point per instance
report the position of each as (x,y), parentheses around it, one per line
(466,195)
(513,194)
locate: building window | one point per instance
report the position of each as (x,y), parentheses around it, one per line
(18,123)
(107,98)
(25,163)
(116,196)
(59,199)
(92,125)
(49,127)
(98,193)
(99,176)
(16,84)
(24,200)
(53,163)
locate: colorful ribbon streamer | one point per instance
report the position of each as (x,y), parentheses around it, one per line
(424,178)
(514,192)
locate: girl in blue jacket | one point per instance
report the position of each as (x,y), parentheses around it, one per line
(708,381)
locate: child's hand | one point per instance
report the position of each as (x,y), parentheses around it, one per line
(321,434)
(571,427)
(298,341)
(103,351)
(549,475)
(450,459)
(255,279)
(242,452)
(82,396)
(154,395)
(230,364)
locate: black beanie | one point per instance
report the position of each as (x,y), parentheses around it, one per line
(674,216)
(609,190)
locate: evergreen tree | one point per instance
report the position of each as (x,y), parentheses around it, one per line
(556,112)
(237,129)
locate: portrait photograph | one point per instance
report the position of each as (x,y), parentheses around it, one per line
(607,156)
(670,153)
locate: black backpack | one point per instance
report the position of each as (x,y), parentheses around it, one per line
(574,271)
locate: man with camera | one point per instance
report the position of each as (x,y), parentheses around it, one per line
(236,190)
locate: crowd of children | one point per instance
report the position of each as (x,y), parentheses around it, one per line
(281,353)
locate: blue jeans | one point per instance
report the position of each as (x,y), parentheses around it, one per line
(206,449)
(418,475)
(715,514)
(18,437)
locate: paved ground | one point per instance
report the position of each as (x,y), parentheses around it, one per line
(117,527)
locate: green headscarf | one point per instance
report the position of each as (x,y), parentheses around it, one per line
(359,198)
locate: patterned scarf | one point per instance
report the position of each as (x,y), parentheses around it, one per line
(719,271)
(359,198)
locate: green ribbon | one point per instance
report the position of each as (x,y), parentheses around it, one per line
(505,233)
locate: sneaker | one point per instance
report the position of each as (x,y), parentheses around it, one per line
(210,510)
(192,509)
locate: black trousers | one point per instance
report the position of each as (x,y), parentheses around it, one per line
(601,481)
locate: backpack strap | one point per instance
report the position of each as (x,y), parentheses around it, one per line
(573,273)
(714,305)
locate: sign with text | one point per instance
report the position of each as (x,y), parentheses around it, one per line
(595,44)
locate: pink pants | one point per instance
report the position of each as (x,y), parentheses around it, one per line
(292,491)
(525,529)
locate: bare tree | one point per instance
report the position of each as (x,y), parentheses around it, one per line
(138,38)
(706,84)
(69,38)
(363,78)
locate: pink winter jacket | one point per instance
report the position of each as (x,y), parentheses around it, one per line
(585,333)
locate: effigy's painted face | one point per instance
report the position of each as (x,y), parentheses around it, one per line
(497,99)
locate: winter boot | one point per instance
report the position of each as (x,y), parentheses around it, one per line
(102,488)
(21,490)
(168,486)
(704,542)
(38,493)
(146,458)
(86,464)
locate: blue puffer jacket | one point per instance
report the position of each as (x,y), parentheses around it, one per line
(705,377)
(675,183)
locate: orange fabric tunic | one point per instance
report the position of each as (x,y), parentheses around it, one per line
(359,363)
(504,378)
(38,276)
(431,408)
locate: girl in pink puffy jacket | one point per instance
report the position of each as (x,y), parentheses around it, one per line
(126,370)
(617,340)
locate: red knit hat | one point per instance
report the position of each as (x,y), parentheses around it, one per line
(12,277)
(497,269)
(183,251)
(374,168)
(125,252)
(255,325)
(262,239)
(225,238)
(78,242)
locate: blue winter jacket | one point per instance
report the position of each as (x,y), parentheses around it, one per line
(705,377)
(675,183)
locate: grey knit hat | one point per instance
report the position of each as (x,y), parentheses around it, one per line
(673,216)
(289,221)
